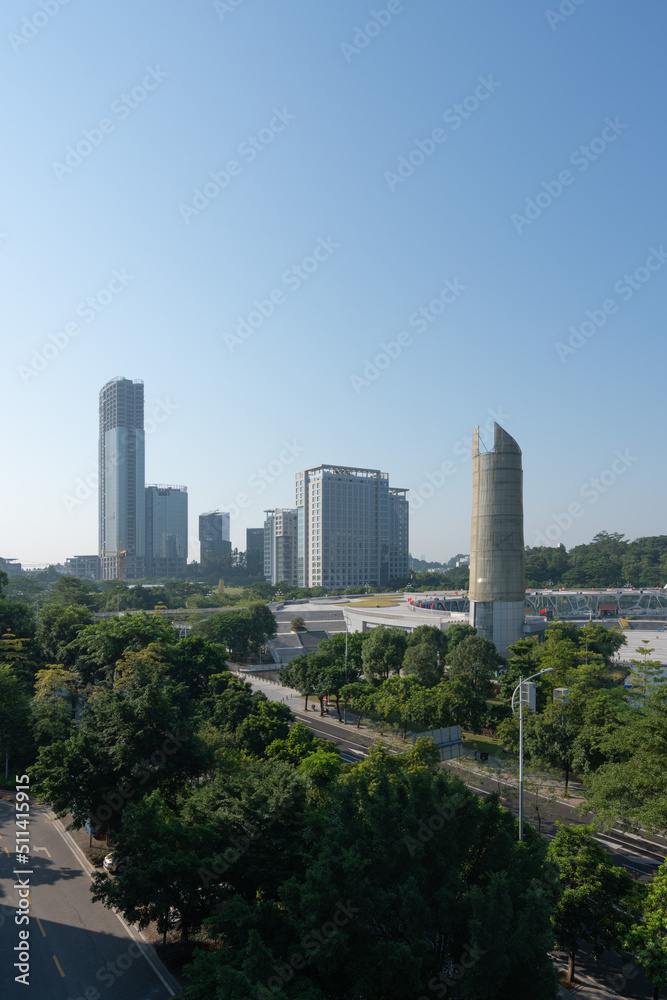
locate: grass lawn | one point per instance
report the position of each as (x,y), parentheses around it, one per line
(372,602)
(485,744)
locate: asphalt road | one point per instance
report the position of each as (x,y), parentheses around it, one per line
(78,950)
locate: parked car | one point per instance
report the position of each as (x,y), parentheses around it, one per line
(112,863)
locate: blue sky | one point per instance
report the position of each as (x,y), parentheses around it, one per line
(531,144)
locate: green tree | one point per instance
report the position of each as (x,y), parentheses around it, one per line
(475,659)
(193,661)
(124,748)
(69,590)
(630,788)
(334,649)
(383,653)
(599,900)
(17,617)
(394,698)
(426,869)
(457,633)
(647,939)
(425,662)
(98,647)
(14,716)
(298,745)
(361,697)
(58,626)
(645,673)
(54,704)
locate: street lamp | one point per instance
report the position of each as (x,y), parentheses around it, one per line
(518,688)
(345,709)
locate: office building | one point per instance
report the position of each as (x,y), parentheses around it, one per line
(497,572)
(83,566)
(214,539)
(12,567)
(280,546)
(254,539)
(122,508)
(352,528)
(166,531)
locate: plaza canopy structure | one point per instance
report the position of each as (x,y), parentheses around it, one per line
(598,603)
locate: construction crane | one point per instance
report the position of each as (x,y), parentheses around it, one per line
(121,553)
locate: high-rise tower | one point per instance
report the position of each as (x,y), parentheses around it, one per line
(497,571)
(122,510)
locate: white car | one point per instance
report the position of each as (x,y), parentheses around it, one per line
(112,863)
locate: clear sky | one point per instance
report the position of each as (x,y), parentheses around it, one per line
(498,167)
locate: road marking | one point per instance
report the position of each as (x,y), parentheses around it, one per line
(58,965)
(39,924)
(43,849)
(6,850)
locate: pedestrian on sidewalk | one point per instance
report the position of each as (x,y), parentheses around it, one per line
(474,746)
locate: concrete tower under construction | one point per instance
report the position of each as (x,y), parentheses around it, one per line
(497,574)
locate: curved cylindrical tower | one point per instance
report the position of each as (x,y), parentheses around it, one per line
(497,570)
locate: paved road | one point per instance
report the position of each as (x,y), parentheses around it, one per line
(79,950)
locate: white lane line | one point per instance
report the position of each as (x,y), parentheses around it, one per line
(129,930)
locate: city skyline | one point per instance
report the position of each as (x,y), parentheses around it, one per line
(316,249)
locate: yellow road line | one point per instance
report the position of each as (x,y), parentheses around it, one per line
(58,965)
(39,924)
(6,850)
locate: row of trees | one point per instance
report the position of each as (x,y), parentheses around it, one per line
(52,667)
(610,728)
(425,679)
(609,560)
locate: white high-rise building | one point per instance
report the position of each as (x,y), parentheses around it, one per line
(280,546)
(352,528)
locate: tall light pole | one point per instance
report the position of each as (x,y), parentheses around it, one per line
(345,709)
(518,688)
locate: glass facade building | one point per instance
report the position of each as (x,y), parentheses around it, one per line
(214,540)
(122,510)
(166,530)
(352,528)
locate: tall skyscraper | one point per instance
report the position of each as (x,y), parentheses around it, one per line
(280,546)
(122,508)
(214,540)
(254,539)
(166,530)
(352,528)
(497,572)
